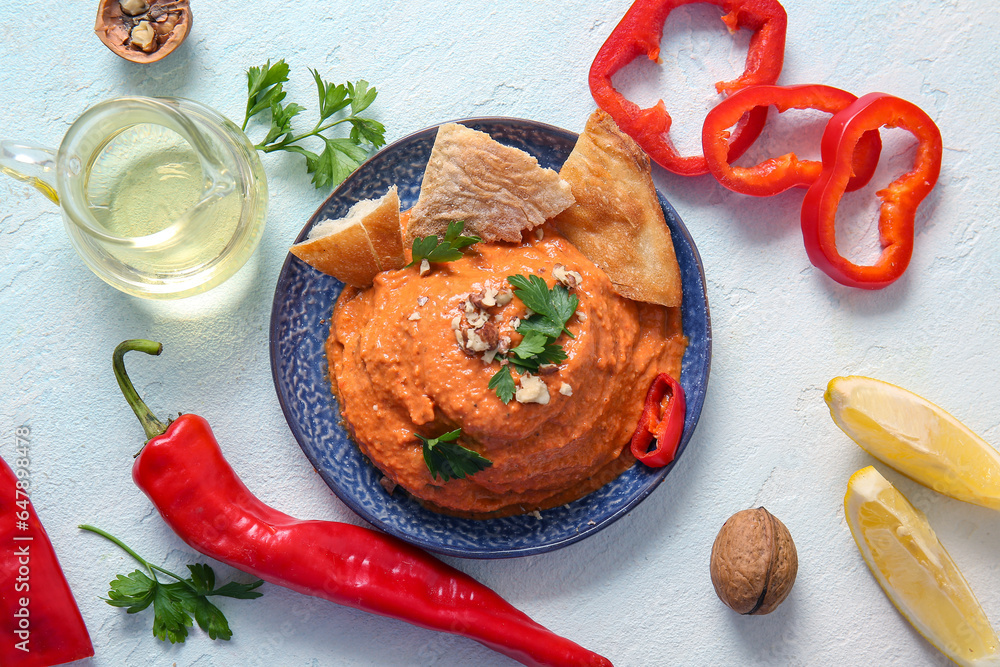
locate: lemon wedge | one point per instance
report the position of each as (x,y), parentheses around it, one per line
(916,572)
(917,438)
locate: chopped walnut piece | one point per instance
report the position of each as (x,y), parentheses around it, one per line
(414,316)
(490,334)
(515,322)
(504,345)
(565,389)
(469,307)
(421,300)
(490,355)
(504,297)
(475,342)
(388,485)
(582,316)
(570,279)
(536,514)
(547,369)
(460,338)
(425,267)
(479,319)
(456,322)
(532,390)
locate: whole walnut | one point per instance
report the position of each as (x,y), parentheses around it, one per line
(753,562)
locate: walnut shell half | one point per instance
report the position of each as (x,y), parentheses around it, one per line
(753,562)
(153,33)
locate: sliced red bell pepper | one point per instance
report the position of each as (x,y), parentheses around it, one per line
(899,200)
(640,31)
(40,624)
(778,174)
(662,418)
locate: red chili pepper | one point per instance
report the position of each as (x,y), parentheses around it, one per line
(778,174)
(899,200)
(662,418)
(640,31)
(40,624)
(182,470)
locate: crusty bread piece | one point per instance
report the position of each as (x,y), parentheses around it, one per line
(358,246)
(499,191)
(617,221)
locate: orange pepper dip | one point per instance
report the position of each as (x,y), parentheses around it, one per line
(397,369)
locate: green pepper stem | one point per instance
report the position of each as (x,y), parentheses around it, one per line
(150,424)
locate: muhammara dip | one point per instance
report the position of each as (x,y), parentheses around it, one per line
(402,361)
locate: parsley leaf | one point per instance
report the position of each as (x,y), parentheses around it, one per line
(175,602)
(556,305)
(340,155)
(503,383)
(447,250)
(448,459)
(553,308)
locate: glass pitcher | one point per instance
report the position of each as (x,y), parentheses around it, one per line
(162,197)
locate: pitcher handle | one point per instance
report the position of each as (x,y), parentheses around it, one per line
(31,164)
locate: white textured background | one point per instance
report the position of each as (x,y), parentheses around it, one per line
(638,592)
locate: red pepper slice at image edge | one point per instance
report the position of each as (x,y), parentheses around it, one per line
(899,200)
(183,472)
(662,418)
(640,31)
(778,174)
(40,624)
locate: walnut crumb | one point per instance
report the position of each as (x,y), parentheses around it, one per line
(565,389)
(456,323)
(425,267)
(532,390)
(388,485)
(504,297)
(421,300)
(570,279)
(536,514)
(414,316)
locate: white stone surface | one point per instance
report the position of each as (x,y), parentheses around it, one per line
(638,592)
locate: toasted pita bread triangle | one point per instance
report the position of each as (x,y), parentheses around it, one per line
(499,191)
(617,221)
(358,246)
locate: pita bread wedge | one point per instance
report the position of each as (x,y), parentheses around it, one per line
(358,246)
(617,221)
(499,191)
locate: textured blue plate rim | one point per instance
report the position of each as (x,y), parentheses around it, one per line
(694,407)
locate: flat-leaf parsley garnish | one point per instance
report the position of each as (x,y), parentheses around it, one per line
(448,459)
(447,250)
(175,602)
(552,309)
(340,155)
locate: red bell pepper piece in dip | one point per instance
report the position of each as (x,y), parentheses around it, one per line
(640,31)
(662,418)
(900,198)
(778,174)
(40,624)
(182,471)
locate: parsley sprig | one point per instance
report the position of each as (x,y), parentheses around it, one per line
(340,155)
(552,309)
(447,250)
(448,459)
(174,603)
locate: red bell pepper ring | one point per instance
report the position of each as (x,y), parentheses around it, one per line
(662,418)
(40,624)
(640,31)
(778,174)
(899,200)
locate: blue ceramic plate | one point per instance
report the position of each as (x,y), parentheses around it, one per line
(303,303)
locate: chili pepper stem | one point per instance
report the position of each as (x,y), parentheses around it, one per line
(150,424)
(124,547)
